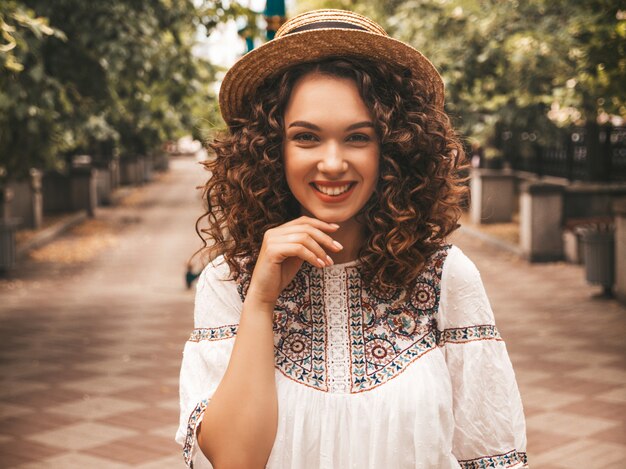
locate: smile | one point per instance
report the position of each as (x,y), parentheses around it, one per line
(333,193)
(333,190)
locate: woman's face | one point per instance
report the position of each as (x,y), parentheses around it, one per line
(331,150)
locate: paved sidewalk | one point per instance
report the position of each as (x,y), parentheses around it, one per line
(90,350)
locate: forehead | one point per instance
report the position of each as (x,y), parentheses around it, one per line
(325,97)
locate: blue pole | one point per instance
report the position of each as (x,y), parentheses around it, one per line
(275,16)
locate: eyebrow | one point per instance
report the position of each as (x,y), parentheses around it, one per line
(309,125)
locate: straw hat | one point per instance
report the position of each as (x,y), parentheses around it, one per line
(316,35)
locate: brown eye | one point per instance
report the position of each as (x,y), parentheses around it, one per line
(359,138)
(305,137)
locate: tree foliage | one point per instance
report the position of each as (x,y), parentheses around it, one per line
(519,64)
(102,77)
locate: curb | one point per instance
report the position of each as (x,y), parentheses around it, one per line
(49,234)
(492,240)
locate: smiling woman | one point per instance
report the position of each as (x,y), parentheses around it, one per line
(338,328)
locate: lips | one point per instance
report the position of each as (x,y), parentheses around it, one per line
(333,191)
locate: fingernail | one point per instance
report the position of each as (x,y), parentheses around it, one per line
(336,243)
(330,261)
(321,262)
(334,225)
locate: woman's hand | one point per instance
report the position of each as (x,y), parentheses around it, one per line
(283,251)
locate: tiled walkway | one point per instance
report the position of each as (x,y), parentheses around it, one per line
(89,353)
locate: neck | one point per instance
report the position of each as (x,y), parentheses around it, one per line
(351,236)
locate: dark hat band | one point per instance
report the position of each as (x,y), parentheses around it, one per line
(325,25)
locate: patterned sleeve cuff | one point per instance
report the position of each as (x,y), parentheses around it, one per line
(511,460)
(189,447)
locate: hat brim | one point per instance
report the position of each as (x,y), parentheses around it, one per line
(251,70)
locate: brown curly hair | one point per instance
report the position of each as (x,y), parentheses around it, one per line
(418,196)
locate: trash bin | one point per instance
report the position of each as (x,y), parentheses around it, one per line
(598,242)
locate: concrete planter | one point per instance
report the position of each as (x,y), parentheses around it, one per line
(8,249)
(492,195)
(541,209)
(599,248)
(619,209)
(131,171)
(26,202)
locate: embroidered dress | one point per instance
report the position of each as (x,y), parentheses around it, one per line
(369,379)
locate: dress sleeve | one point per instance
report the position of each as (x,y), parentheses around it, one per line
(206,354)
(490,429)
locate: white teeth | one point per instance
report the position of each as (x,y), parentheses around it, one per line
(332,190)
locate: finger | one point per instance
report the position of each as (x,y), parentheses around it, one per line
(317,234)
(316,222)
(302,252)
(307,241)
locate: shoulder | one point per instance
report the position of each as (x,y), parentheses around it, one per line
(457,267)
(217,300)
(463,299)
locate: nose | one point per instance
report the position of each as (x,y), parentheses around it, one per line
(332,160)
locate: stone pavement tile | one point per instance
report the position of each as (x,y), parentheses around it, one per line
(615,435)
(575,385)
(168,462)
(13,410)
(573,425)
(136,449)
(24,425)
(71,460)
(149,394)
(606,374)
(96,407)
(547,399)
(104,384)
(20,451)
(44,399)
(585,454)
(13,387)
(119,363)
(614,395)
(142,420)
(541,441)
(595,408)
(81,435)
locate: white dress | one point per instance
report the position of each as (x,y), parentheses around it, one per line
(368,379)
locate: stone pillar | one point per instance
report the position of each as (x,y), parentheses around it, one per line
(83,189)
(541,214)
(492,195)
(8,226)
(619,209)
(36,177)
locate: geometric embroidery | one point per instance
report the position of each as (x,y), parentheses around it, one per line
(460,335)
(385,331)
(499,460)
(190,438)
(214,333)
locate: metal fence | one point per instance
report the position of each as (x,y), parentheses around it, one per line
(591,153)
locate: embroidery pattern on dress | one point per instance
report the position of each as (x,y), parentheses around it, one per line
(460,335)
(190,437)
(214,333)
(300,330)
(499,460)
(389,331)
(350,338)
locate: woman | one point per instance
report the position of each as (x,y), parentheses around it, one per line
(338,329)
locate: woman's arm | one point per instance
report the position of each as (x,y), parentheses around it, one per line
(240,421)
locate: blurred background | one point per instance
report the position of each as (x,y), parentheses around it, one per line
(103,108)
